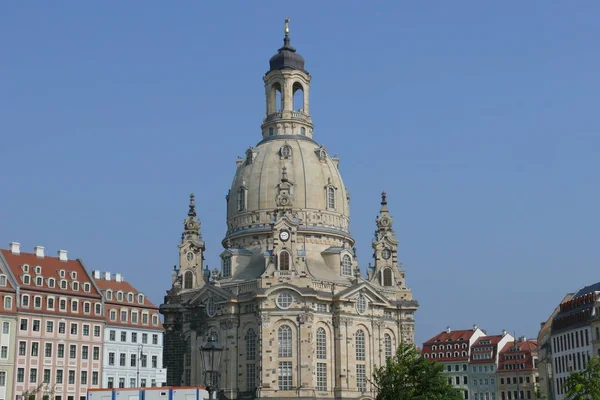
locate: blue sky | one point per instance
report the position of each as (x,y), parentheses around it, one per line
(477,119)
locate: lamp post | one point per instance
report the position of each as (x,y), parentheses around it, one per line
(139,361)
(210,354)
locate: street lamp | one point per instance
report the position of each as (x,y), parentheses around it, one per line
(211,360)
(139,360)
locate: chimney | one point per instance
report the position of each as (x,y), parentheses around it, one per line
(448,330)
(62,255)
(39,251)
(107,276)
(503,332)
(523,339)
(15,248)
(474,327)
(96,274)
(118,277)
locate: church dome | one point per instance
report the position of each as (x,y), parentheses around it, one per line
(286,57)
(318,196)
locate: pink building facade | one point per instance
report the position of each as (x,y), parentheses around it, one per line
(60,325)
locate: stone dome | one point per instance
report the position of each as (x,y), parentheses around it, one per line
(286,57)
(314,177)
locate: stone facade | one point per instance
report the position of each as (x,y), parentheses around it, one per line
(295,316)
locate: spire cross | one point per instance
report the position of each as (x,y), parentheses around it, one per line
(383,198)
(192,212)
(287,27)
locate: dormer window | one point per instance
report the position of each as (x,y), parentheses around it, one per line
(75,286)
(109,294)
(2,280)
(141,298)
(63,284)
(39,281)
(37,302)
(38,270)
(51,282)
(26,279)
(330,197)
(130,297)
(155,320)
(119,296)
(113,315)
(61,273)
(73,275)
(25,300)
(241,199)
(98,308)
(25,268)
(86,287)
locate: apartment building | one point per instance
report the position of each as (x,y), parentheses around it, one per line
(8,324)
(60,317)
(133,336)
(518,376)
(452,349)
(483,365)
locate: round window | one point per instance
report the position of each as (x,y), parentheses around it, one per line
(284,300)
(190,256)
(361,304)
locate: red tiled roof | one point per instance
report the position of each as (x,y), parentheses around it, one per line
(493,343)
(449,338)
(526,348)
(50,267)
(125,287)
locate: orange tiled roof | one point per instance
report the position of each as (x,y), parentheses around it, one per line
(125,287)
(50,268)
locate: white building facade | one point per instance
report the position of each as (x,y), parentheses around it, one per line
(133,336)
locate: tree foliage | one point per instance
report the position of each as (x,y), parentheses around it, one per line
(409,376)
(584,385)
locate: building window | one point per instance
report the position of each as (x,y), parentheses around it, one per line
(286,151)
(226,266)
(73,351)
(25,300)
(284,342)
(361,377)
(24,324)
(4,352)
(284,375)
(111,359)
(134,317)
(48,350)
(73,329)
(387,341)
(250,344)
(111,382)
(21,375)
(321,377)
(155,339)
(84,352)
(188,280)
(154,362)
(321,344)
(8,303)
(330,197)
(37,302)
(60,351)
(96,353)
(241,200)
(346,265)
(360,345)
(284,261)
(35,346)
(122,359)
(303,131)
(33,375)
(361,304)
(387,277)
(250,377)
(123,316)
(132,360)
(3,374)
(284,300)
(113,315)
(36,325)
(123,336)
(95,378)
(144,338)
(270,131)
(2,280)
(50,303)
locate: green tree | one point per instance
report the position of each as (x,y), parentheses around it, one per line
(585,385)
(409,376)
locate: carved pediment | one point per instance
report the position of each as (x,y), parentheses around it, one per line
(364,288)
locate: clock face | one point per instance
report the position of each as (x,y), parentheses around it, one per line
(386,254)
(284,235)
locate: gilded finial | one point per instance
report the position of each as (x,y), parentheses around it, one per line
(287,26)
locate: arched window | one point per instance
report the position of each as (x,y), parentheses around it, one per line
(241,201)
(303,131)
(284,341)
(387,277)
(188,280)
(387,342)
(284,261)
(226,266)
(330,197)
(346,265)
(433,355)
(298,92)
(321,344)
(250,344)
(360,345)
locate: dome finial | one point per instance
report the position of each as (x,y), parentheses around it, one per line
(192,212)
(287,26)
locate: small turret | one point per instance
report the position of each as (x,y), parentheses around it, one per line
(191,250)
